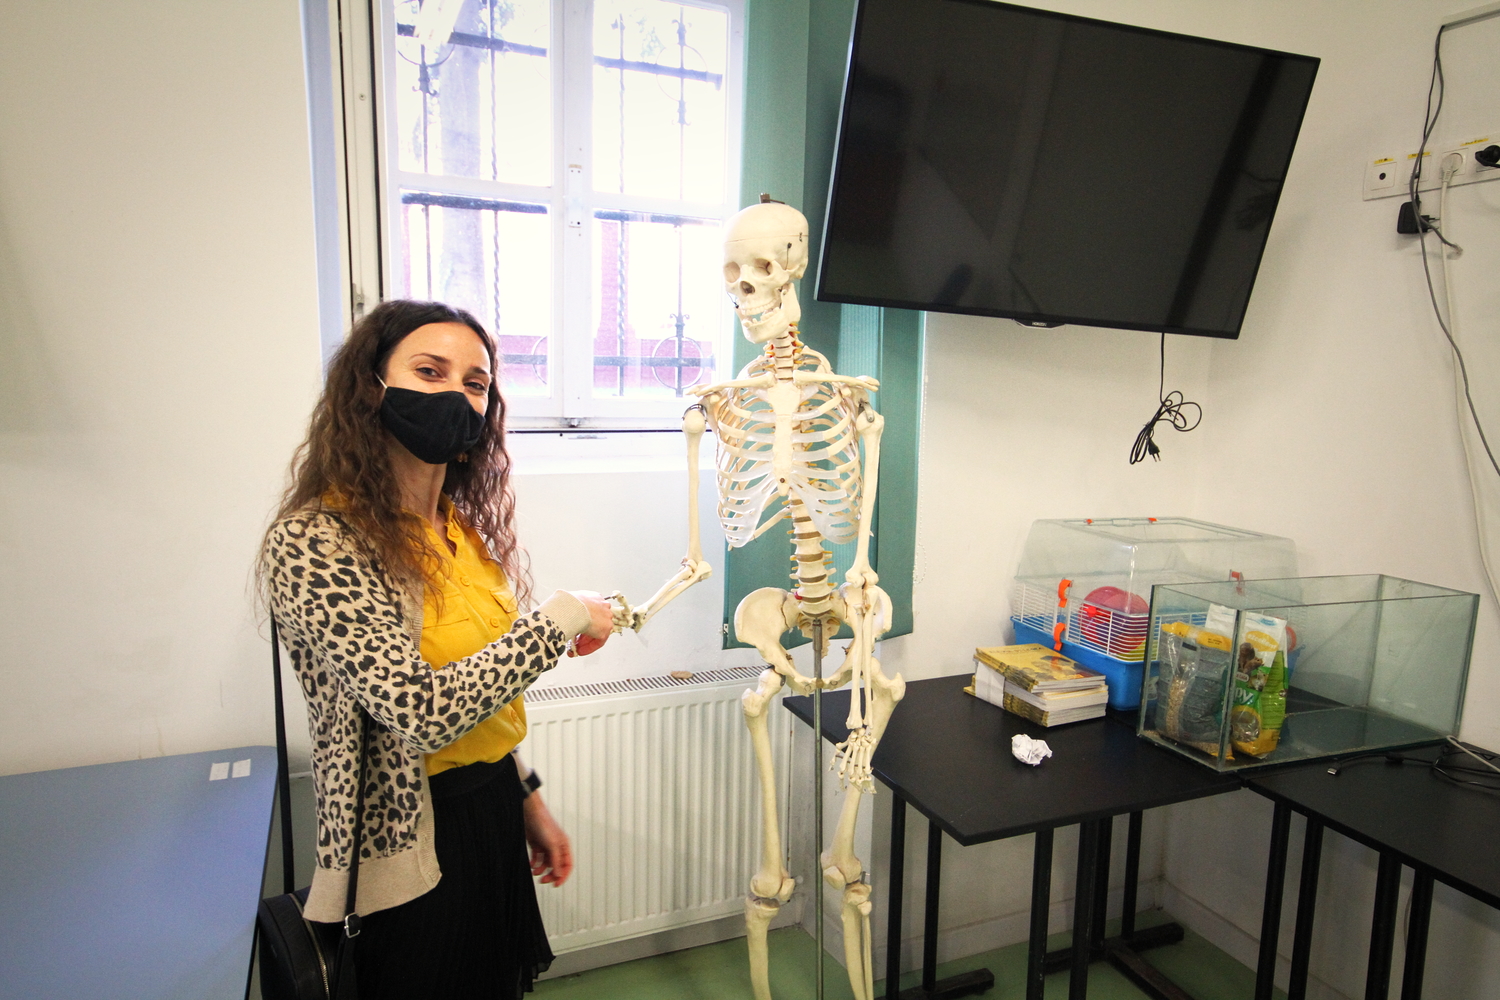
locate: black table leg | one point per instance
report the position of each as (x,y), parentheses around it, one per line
(1270,914)
(1041,906)
(1083,909)
(1307,903)
(1101,888)
(1132,876)
(930,923)
(963,984)
(1123,952)
(1416,935)
(1383,928)
(893,902)
(1089,903)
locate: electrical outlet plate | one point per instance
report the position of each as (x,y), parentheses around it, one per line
(1388,175)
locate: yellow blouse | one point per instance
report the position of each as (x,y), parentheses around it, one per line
(477,607)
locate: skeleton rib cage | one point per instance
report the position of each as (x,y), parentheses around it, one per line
(824,446)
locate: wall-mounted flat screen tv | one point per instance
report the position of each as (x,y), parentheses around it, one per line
(1005,161)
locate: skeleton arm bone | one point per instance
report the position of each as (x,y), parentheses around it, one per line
(877,612)
(865,602)
(861,575)
(695,568)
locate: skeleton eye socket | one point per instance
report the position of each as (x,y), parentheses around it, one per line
(731,271)
(763,265)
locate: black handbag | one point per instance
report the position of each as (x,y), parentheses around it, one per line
(299,958)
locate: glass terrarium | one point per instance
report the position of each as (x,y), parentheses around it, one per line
(1083,586)
(1259,672)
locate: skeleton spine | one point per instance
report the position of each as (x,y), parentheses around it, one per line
(784,353)
(812,571)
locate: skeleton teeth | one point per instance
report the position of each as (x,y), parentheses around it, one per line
(757,317)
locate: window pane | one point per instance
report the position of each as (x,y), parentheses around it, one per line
(481,105)
(492,258)
(659,99)
(659,306)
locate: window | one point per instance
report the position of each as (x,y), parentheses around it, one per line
(560,169)
(623,247)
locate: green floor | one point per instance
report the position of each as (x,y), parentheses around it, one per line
(719,971)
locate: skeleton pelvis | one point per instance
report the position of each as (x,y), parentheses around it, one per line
(765,615)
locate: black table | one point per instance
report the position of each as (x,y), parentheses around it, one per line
(948,754)
(1411,816)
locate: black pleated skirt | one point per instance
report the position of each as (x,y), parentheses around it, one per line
(477,933)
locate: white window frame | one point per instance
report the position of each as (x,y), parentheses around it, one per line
(371,183)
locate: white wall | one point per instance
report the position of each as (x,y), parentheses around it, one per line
(158,356)
(1343,375)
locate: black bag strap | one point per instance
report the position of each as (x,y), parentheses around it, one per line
(343,965)
(350,915)
(283,780)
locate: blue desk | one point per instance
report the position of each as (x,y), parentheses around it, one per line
(138,879)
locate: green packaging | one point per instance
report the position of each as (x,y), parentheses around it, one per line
(1259,709)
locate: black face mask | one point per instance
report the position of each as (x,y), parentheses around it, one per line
(436,427)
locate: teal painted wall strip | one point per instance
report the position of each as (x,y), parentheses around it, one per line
(859,340)
(900,402)
(828,30)
(775,140)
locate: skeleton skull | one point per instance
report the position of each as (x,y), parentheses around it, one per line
(765,250)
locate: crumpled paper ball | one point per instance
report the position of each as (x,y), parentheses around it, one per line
(1028,750)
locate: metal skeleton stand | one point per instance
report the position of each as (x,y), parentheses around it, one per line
(817,696)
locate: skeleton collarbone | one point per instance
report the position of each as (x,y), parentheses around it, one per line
(791,437)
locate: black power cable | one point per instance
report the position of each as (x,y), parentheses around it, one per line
(1172,410)
(1429,122)
(1454,763)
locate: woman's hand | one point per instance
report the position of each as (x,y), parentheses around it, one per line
(601,622)
(551,851)
(584,645)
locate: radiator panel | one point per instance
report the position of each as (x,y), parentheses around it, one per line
(656,786)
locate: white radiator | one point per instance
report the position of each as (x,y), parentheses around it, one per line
(654,780)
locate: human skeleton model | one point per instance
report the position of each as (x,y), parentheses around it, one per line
(790,431)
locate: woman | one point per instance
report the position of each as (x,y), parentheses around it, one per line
(394,574)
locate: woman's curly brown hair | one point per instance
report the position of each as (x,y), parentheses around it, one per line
(346,453)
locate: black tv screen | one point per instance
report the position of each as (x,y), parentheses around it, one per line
(1004,161)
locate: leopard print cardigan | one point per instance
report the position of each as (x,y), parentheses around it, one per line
(355,639)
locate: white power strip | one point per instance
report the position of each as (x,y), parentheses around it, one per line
(1388,176)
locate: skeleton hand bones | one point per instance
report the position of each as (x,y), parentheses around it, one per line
(693,571)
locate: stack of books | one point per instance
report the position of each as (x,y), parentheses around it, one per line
(1038,684)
